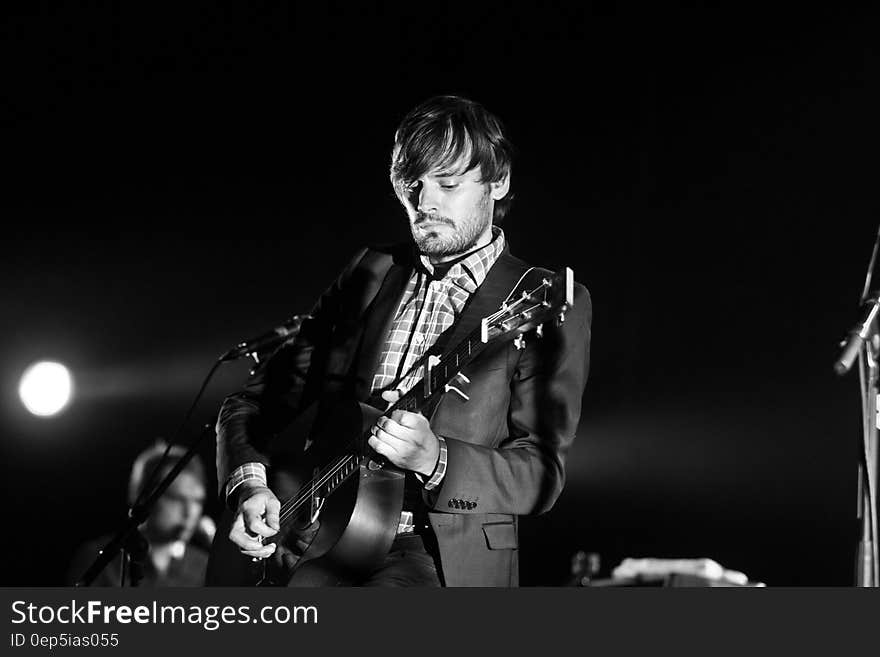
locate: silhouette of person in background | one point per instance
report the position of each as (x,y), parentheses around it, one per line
(175,529)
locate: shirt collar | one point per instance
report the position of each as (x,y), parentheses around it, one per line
(470,272)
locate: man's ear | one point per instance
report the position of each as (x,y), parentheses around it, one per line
(500,188)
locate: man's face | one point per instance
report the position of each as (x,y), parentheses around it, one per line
(449,212)
(177,512)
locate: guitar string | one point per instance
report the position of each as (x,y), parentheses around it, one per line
(291,506)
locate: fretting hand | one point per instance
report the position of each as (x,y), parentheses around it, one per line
(405,439)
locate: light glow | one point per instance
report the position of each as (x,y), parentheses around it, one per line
(46,388)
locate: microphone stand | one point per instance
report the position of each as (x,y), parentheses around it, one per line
(866,510)
(129,539)
(864,342)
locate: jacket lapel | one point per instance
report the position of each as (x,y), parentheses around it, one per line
(378,319)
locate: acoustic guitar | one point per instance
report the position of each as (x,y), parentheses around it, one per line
(355,494)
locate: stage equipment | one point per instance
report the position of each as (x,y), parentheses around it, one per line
(128,538)
(864,342)
(674,572)
(267,341)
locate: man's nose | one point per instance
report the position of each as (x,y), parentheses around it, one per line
(428,200)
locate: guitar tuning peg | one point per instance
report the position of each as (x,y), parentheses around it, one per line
(539,330)
(561,318)
(449,388)
(519,342)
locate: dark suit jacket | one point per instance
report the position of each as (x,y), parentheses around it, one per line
(506,446)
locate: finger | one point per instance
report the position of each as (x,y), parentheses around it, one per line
(263,553)
(247,546)
(273,510)
(391,426)
(243,541)
(391,396)
(253,510)
(397,444)
(265,550)
(398,430)
(254,524)
(385,450)
(408,420)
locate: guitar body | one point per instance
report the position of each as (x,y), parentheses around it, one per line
(356,523)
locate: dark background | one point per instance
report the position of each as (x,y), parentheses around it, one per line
(179,179)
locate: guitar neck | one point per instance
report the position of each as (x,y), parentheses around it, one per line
(439,374)
(551,298)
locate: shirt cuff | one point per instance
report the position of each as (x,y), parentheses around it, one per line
(247,472)
(440,468)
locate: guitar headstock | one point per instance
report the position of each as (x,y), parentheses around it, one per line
(529,305)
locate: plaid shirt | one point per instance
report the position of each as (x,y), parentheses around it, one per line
(428,307)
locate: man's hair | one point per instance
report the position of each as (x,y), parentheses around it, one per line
(444,132)
(146,462)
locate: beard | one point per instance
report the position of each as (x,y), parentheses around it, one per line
(457,239)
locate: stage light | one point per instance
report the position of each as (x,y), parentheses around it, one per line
(45,388)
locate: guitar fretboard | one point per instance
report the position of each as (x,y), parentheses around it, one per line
(431,386)
(439,375)
(334,474)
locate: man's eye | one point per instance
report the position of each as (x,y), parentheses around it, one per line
(449,186)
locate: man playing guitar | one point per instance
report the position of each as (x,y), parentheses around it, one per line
(471,457)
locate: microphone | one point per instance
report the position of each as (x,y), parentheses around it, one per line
(267,341)
(857,336)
